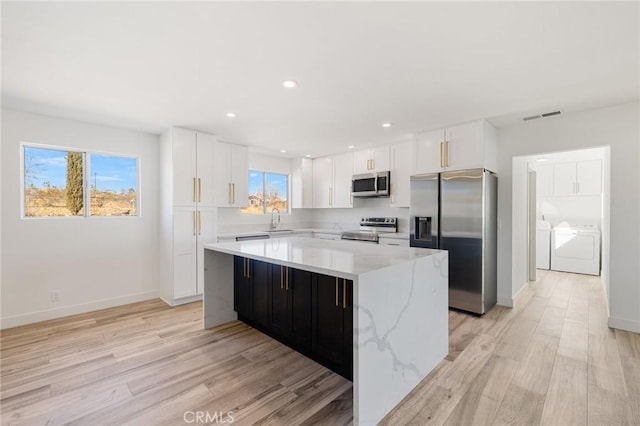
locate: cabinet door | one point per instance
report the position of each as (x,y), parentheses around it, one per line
(222,174)
(184,252)
(239,176)
(242,297)
(342,175)
(380,156)
(279,321)
(362,163)
(589,177)
(300,307)
(328,315)
(322,182)
(204,168)
(206,223)
(183,143)
(302,183)
(544,180)
(259,275)
(564,179)
(429,152)
(465,147)
(401,170)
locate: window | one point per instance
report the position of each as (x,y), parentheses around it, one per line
(60,182)
(266,192)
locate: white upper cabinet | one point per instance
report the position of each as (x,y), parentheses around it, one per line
(429,152)
(231,171)
(192,164)
(564,179)
(401,171)
(322,182)
(302,183)
(342,175)
(544,180)
(332,181)
(466,146)
(372,160)
(577,178)
(204,166)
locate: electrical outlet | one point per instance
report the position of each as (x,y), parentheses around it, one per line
(55,296)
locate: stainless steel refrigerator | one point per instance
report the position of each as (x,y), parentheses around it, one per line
(457,211)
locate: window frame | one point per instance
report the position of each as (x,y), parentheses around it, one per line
(264,183)
(86,174)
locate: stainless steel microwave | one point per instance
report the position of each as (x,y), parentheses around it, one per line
(375,184)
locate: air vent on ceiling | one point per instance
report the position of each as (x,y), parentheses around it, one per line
(545,115)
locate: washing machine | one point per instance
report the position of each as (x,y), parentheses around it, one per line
(575,247)
(543,244)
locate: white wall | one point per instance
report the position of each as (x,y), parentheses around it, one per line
(616,126)
(93,262)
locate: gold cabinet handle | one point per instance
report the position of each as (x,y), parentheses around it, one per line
(337,304)
(199,222)
(194,222)
(441,147)
(286,278)
(447,153)
(199,190)
(194,190)
(229,192)
(373,164)
(344,293)
(248,268)
(330,196)
(244,265)
(281,278)
(233,193)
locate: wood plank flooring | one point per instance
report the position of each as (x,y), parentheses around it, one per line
(551,360)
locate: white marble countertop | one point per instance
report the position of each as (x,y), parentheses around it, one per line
(344,259)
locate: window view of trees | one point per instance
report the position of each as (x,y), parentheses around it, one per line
(54,184)
(266,192)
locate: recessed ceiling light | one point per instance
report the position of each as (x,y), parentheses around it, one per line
(351,146)
(283,150)
(231,114)
(289,84)
(386,125)
(542,159)
(308,155)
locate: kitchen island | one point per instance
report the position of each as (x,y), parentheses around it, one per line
(396,299)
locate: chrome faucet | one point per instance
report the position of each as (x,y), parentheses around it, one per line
(273,225)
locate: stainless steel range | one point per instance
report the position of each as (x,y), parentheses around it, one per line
(370,227)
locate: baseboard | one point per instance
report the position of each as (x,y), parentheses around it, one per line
(182,301)
(510,302)
(624,324)
(82,308)
(505,301)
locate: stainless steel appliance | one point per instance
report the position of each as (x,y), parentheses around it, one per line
(375,184)
(457,211)
(370,227)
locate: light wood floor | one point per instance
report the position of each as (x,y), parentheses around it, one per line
(551,360)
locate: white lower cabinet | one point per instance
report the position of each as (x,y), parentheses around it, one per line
(192,228)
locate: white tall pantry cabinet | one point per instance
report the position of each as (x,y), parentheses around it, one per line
(188,215)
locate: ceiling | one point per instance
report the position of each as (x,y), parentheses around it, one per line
(151,65)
